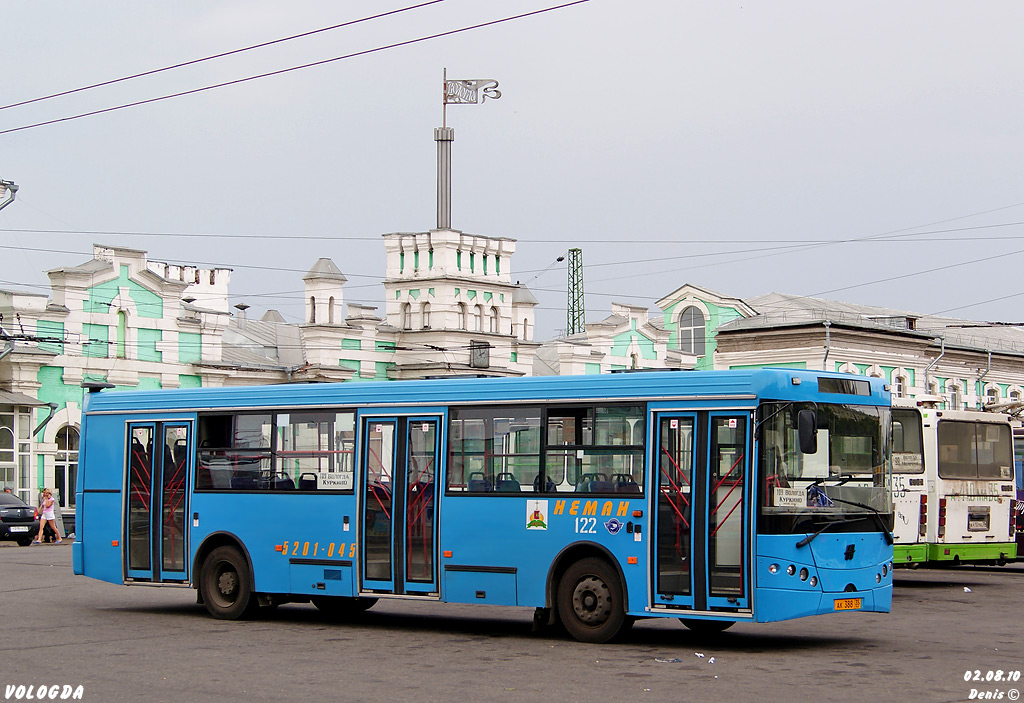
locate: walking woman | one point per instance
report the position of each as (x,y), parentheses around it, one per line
(47,516)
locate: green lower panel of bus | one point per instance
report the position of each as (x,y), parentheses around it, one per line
(973,552)
(909,554)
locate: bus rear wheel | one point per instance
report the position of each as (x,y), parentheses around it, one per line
(226,584)
(590,602)
(340,607)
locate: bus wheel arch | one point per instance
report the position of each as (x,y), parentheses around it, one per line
(587,589)
(222,571)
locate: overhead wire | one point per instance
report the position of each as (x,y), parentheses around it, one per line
(300,67)
(220,55)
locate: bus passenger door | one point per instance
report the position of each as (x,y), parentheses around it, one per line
(155,545)
(398,504)
(701,524)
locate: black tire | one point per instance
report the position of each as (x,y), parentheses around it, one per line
(706,627)
(338,607)
(24,541)
(226,585)
(590,602)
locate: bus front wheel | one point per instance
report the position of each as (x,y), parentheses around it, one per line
(590,602)
(226,584)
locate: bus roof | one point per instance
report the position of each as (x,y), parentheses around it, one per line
(779,384)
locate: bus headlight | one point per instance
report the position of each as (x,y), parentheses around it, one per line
(885,569)
(813,581)
(804,574)
(773,568)
(790,569)
(878,578)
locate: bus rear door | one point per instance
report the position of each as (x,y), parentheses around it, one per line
(701,511)
(156,491)
(398,506)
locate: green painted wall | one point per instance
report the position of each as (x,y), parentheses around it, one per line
(186,380)
(147,303)
(94,340)
(48,328)
(351,344)
(621,343)
(592,368)
(718,315)
(52,389)
(190,347)
(350,364)
(147,340)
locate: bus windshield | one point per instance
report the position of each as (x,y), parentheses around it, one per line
(845,479)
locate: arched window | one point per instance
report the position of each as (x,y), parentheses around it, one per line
(330,310)
(634,361)
(462,316)
(1015,395)
(312,309)
(495,318)
(479,327)
(956,397)
(122,333)
(692,331)
(425,316)
(992,395)
(901,386)
(526,330)
(406,316)
(65,467)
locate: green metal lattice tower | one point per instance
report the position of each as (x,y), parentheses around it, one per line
(576,316)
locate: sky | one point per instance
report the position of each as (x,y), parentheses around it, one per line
(868,152)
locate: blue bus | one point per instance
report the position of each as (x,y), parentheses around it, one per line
(713,497)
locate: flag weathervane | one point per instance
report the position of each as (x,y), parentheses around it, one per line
(456,92)
(466,92)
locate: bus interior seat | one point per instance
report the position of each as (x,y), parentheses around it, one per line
(282,482)
(180,452)
(140,457)
(478,483)
(507,483)
(307,481)
(594,483)
(549,485)
(624,483)
(243,482)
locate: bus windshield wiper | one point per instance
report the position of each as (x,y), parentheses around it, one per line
(810,538)
(874,513)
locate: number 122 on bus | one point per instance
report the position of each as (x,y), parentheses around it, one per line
(712,497)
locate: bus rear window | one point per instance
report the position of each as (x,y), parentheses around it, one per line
(974,450)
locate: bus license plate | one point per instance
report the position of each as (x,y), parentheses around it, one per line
(848,604)
(19,528)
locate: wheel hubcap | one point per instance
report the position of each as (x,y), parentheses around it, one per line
(227,584)
(591,601)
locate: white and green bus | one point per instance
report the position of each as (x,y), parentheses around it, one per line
(952,485)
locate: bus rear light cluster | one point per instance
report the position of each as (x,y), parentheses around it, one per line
(942,517)
(923,524)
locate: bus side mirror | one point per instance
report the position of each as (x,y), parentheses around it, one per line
(807,428)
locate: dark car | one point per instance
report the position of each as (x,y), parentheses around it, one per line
(18,521)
